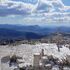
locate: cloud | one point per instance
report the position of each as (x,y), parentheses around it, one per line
(15,8)
(49,18)
(3,1)
(37,19)
(44,11)
(21,8)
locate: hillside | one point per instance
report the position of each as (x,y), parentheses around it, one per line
(14,34)
(31,32)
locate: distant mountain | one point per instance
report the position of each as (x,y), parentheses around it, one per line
(31,28)
(17,35)
(29,32)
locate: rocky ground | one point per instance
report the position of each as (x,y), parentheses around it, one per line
(27,51)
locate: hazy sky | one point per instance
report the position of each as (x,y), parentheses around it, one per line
(41,12)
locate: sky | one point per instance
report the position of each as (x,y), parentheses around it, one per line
(66,2)
(35,12)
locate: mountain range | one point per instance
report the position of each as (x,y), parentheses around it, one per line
(29,32)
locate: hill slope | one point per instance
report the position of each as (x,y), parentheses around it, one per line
(13,34)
